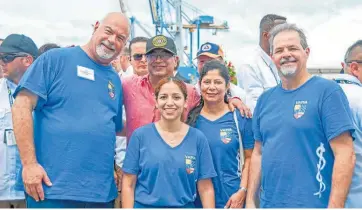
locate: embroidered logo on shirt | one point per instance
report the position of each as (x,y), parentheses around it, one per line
(225,135)
(111,90)
(320,166)
(300,108)
(190,163)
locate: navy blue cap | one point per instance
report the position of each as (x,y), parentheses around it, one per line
(19,43)
(211,50)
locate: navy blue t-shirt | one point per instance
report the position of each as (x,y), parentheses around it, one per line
(295,128)
(167,176)
(78,112)
(223,139)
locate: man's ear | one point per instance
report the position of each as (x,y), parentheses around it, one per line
(96,26)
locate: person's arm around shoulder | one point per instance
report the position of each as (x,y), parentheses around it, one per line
(33,173)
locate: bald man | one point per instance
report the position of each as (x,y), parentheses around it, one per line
(76,98)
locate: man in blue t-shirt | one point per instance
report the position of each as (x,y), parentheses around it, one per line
(68,152)
(303,153)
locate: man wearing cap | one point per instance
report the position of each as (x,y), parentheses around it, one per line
(258,72)
(67,151)
(17,53)
(210,51)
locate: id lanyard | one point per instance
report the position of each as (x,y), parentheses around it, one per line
(11,100)
(345,81)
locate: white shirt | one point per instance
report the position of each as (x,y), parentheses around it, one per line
(353,90)
(352,87)
(128,72)
(9,156)
(257,74)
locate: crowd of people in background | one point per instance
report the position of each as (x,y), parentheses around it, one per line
(111,124)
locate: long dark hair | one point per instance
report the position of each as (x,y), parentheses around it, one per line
(209,66)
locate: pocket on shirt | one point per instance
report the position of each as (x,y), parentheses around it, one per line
(5,118)
(3,181)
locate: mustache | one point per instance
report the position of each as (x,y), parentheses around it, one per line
(108,44)
(285,60)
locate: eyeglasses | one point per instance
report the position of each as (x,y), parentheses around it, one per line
(138,57)
(9,57)
(162,56)
(356,61)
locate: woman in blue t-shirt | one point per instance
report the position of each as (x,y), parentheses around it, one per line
(167,161)
(227,132)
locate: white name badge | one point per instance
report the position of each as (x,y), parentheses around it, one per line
(10,138)
(85,73)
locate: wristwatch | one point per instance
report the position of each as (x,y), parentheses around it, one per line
(243,189)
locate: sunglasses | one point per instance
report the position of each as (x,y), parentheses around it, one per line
(9,57)
(138,57)
(162,56)
(356,61)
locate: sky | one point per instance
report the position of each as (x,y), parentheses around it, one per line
(331,26)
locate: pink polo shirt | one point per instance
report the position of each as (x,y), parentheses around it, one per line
(140,102)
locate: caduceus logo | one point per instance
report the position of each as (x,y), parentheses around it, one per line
(320,166)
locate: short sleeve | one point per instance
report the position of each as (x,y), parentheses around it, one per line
(237,91)
(206,166)
(249,81)
(193,97)
(37,79)
(256,122)
(247,134)
(119,117)
(336,115)
(131,163)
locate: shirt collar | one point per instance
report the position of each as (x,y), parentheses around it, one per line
(265,56)
(346,78)
(11,85)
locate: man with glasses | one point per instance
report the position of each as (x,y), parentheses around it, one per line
(17,53)
(351,83)
(139,99)
(137,52)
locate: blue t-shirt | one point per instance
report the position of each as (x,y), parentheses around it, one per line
(75,123)
(223,139)
(295,128)
(166,176)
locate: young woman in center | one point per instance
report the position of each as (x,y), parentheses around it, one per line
(168,161)
(227,132)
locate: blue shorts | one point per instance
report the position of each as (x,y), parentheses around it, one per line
(51,203)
